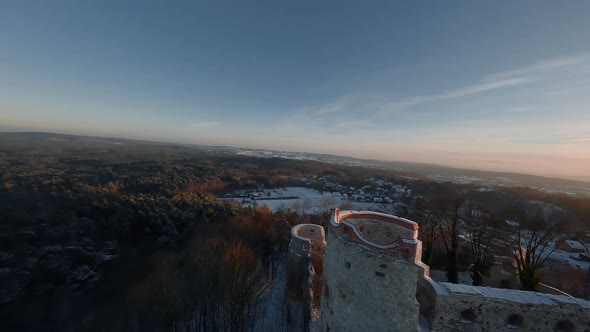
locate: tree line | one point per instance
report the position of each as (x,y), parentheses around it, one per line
(449,221)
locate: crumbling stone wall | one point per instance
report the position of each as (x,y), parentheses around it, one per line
(305,265)
(365,290)
(367,285)
(481,309)
(380,232)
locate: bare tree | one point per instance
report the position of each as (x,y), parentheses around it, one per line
(530,250)
(480,235)
(451,221)
(243,285)
(301,206)
(326,203)
(225,285)
(429,220)
(347,206)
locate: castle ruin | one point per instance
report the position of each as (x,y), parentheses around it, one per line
(364,273)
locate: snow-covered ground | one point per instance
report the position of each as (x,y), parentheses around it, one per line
(304,200)
(441,276)
(276,154)
(512,295)
(270,316)
(455,178)
(275,313)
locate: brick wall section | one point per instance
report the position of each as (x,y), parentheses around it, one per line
(407,251)
(380,232)
(378,217)
(398,234)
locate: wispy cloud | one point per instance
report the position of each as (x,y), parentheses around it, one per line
(520,109)
(581,87)
(512,115)
(346,109)
(327,109)
(557,139)
(542,67)
(580,140)
(205,124)
(480,87)
(356,124)
(507,79)
(375,112)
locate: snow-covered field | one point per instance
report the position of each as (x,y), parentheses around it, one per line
(455,178)
(303,199)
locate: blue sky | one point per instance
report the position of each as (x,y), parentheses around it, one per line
(501,85)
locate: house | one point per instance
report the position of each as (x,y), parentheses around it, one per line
(570,245)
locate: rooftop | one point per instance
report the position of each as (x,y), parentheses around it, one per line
(575,244)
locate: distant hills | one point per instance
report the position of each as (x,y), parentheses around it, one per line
(430,171)
(443,173)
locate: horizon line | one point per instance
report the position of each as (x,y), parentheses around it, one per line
(582,179)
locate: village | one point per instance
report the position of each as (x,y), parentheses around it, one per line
(322,192)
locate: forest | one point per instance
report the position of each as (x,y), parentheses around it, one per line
(102,235)
(109,234)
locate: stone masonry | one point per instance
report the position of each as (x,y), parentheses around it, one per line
(365,274)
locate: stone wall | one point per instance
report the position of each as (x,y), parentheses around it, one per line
(451,307)
(380,232)
(308,234)
(365,290)
(305,265)
(306,239)
(367,283)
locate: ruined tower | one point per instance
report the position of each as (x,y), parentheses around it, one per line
(363,273)
(371,270)
(305,265)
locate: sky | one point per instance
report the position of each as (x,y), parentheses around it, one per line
(497,85)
